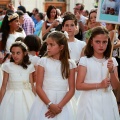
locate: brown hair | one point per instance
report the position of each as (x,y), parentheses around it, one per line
(61,39)
(25,62)
(69,16)
(89,51)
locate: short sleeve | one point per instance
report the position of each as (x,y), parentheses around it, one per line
(42,61)
(31,68)
(114,62)
(5,67)
(72,64)
(83,61)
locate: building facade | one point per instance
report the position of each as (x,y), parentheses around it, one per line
(63,5)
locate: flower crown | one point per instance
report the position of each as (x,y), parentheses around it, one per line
(10,17)
(88,34)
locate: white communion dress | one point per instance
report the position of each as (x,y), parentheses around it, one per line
(55,88)
(18,97)
(99,104)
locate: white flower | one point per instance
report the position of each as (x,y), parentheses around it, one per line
(27,85)
(66,34)
(10,17)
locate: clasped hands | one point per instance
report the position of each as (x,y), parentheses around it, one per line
(53,110)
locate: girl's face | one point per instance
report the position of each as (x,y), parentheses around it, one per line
(53,13)
(70,27)
(109,27)
(99,44)
(14,24)
(93,17)
(53,49)
(17,55)
(21,20)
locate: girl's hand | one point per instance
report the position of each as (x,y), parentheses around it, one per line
(34,90)
(110,65)
(55,23)
(54,109)
(49,114)
(77,16)
(105,83)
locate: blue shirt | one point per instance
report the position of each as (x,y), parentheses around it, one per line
(38,27)
(34,20)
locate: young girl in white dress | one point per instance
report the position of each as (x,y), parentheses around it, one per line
(16,96)
(8,32)
(55,82)
(97,101)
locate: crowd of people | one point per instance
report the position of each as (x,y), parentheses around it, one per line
(58,66)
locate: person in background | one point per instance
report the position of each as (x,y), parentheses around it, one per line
(8,30)
(76,46)
(85,13)
(34,12)
(3,13)
(34,43)
(59,18)
(10,6)
(81,20)
(51,23)
(21,20)
(28,24)
(39,17)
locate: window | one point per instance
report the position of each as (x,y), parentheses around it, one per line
(2,6)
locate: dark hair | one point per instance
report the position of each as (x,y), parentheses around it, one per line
(41,15)
(81,6)
(36,10)
(33,42)
(69,16)
(20,13)
(20,39)
(22,8)
(89,49)
(5,28)
(9,11)
(92,11)
(87,12)
(61,39)
(49,10)
(29,13)
(23,47)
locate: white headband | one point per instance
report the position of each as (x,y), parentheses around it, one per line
(23,44)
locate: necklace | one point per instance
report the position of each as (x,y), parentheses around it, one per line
(99,60)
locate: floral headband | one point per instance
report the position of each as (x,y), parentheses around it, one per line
(10,17)
(88,34)
(21,43)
